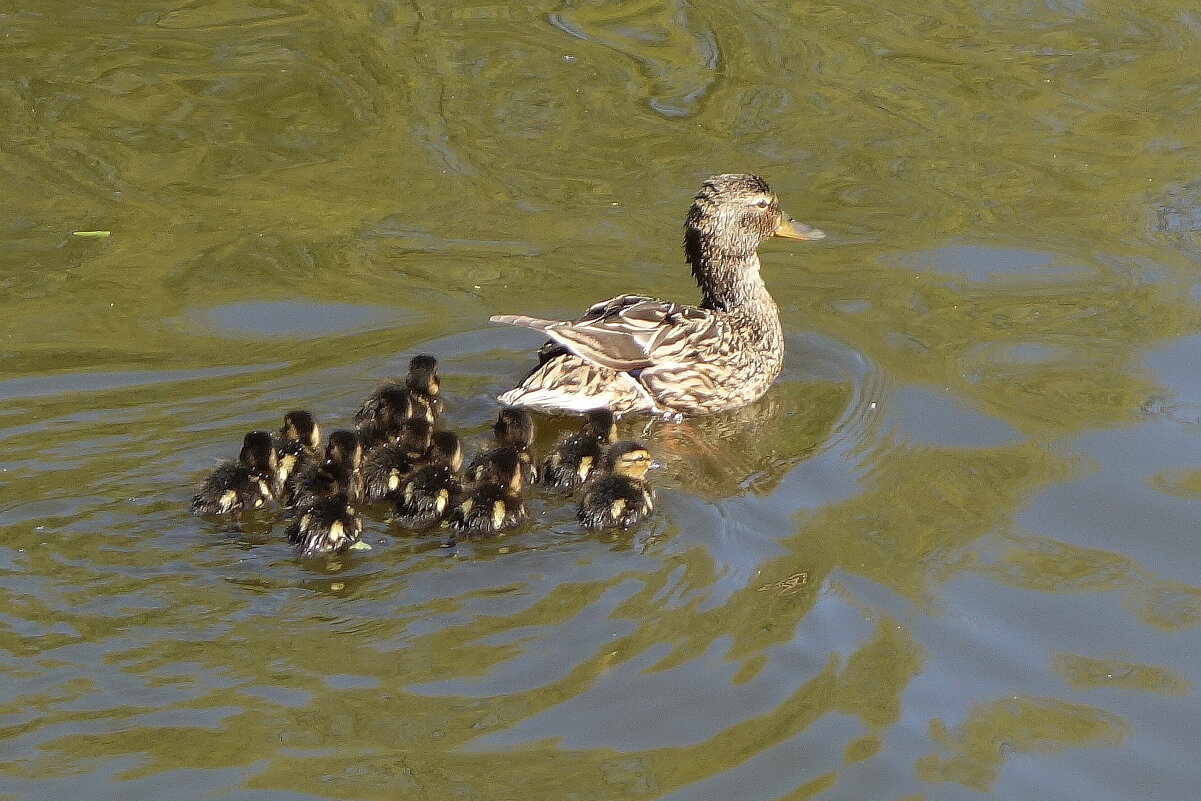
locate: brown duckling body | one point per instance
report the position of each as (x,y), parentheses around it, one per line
(297,444)
(249,483)
(328,525)
(431,491)
(579,455)
(339,472)
(492,506)
(386,467)
(621,497)
(514,431)
(382,414)
(425,388)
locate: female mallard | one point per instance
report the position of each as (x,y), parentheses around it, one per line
(635,354)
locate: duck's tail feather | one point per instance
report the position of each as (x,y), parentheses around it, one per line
(522,320)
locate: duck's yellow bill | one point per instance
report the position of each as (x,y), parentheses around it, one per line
(791,229)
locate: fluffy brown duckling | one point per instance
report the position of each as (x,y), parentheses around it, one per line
(579,455)
(431,490)
(328,525)
(492,506)
(622,497)
(339,472)
(297,444)
(248,483)
(385,467)
(382,414)
(425,388)
(514,431)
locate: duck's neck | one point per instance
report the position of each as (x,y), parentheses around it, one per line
(728,277)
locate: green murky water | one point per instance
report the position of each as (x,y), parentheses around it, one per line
(953,553)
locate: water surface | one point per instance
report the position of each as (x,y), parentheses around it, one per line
(952,554)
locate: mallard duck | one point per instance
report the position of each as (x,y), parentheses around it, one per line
(340,472)
(248,483)
(636,354)
(328,525)
(424,387)
(296,444)
(576,456)
(431,490)
(386,466)
(514,432)
(382,414)
(622,496)
(492,506)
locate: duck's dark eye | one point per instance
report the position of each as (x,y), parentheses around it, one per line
(761,203)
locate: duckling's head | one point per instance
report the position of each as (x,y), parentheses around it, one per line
(514,426)
(508,470)
(601,424)
(344,449)
(258,453)
(299,426)
(447,449)
(394,407)
(423,375)
(629,459)
(730,216)
(415,436)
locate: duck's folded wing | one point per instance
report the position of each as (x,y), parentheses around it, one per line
(630,332)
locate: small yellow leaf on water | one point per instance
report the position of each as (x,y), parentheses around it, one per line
(360,546)
(92,234)
(337,585)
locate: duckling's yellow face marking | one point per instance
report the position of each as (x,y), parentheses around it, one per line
(498,514)
(228,499)
(337,532)
(441,500)
(286,465)
(585,467)
(633,464)
(617,507)
(393,480)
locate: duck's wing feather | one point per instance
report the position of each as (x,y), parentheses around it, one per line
(630,332)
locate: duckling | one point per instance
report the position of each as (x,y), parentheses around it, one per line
(386,466)
(296,444)
(424,387)
(339,472)
(577,456)
(492,506)
(431,490)
(248,483)
(641,355)
(382,414)
(622,497)
(514,431)
(330,524)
